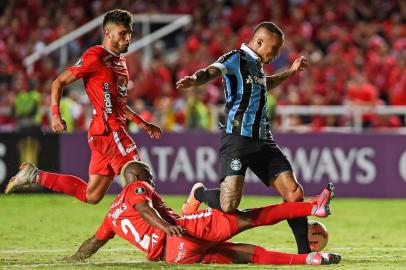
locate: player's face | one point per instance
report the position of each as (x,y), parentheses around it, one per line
(120,36)
(269,47)
(139,174)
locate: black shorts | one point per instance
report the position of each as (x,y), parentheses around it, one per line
(263,157)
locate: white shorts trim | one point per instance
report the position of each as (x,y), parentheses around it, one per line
(118,143)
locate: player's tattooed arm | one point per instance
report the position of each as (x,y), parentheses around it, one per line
(201,76)
(153,218)
(275,80)
(298,65)
(87,249)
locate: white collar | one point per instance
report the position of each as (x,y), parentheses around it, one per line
(247,49)
(117,55)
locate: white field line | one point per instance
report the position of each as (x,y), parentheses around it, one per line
(34,265)
(18,251)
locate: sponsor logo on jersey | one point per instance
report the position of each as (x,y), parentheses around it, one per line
(255,79)
(116,214)
(130,148)
(108,106)
(118,66)
(181,252)
(235,164)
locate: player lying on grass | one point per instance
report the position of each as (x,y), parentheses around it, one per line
(140,216)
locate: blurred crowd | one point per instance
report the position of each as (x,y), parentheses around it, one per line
(357,49)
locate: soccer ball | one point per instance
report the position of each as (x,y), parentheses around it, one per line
(318,235)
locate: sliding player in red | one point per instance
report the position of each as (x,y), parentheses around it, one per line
(105,76)
(139,215)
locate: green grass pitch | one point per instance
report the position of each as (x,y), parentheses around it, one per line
(38,230)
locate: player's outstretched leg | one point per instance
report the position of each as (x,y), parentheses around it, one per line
(26,175)
(68,184)
(227,253)
(323,201)
(273,214)
(192,204)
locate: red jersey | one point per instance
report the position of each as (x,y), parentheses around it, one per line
(124,220)
(105,77)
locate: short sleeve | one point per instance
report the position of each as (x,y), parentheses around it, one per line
(228,63)
(105,232)
(86,65)
(138,192)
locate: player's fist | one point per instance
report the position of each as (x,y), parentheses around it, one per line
(186,82)
(153,130)
(299,64)
(175,230)
(58,123)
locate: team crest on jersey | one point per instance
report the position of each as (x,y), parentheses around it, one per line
(139,190)
(79,63)
(235,164)
(122,85)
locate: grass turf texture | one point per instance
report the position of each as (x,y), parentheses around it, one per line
(37,230)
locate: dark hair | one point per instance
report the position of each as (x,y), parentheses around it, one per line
(271,27)
(118,16)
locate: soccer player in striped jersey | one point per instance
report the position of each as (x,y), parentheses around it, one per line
(246,140)
(105,76)
(140,216)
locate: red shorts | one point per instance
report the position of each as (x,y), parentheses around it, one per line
(206,228)
(110,152)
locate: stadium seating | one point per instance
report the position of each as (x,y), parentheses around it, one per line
(358,56)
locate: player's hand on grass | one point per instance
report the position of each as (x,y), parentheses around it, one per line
(186,82)
(153,130)
(58,123)
(72,259)
(300,64)
(175,230)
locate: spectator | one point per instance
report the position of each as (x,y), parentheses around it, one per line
(340,37)
(26,105)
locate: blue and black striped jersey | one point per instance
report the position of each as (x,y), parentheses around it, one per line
(245,93)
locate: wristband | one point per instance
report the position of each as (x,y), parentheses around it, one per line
(55,110)
(136,119)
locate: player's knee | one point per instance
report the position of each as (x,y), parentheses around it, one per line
(93,198)
(296,195)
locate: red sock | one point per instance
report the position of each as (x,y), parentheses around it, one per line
(263,256)
(68,184)
(274,213)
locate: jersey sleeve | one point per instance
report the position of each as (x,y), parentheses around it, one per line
(228,63)
(86,65)
(138,192)
(105,232)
